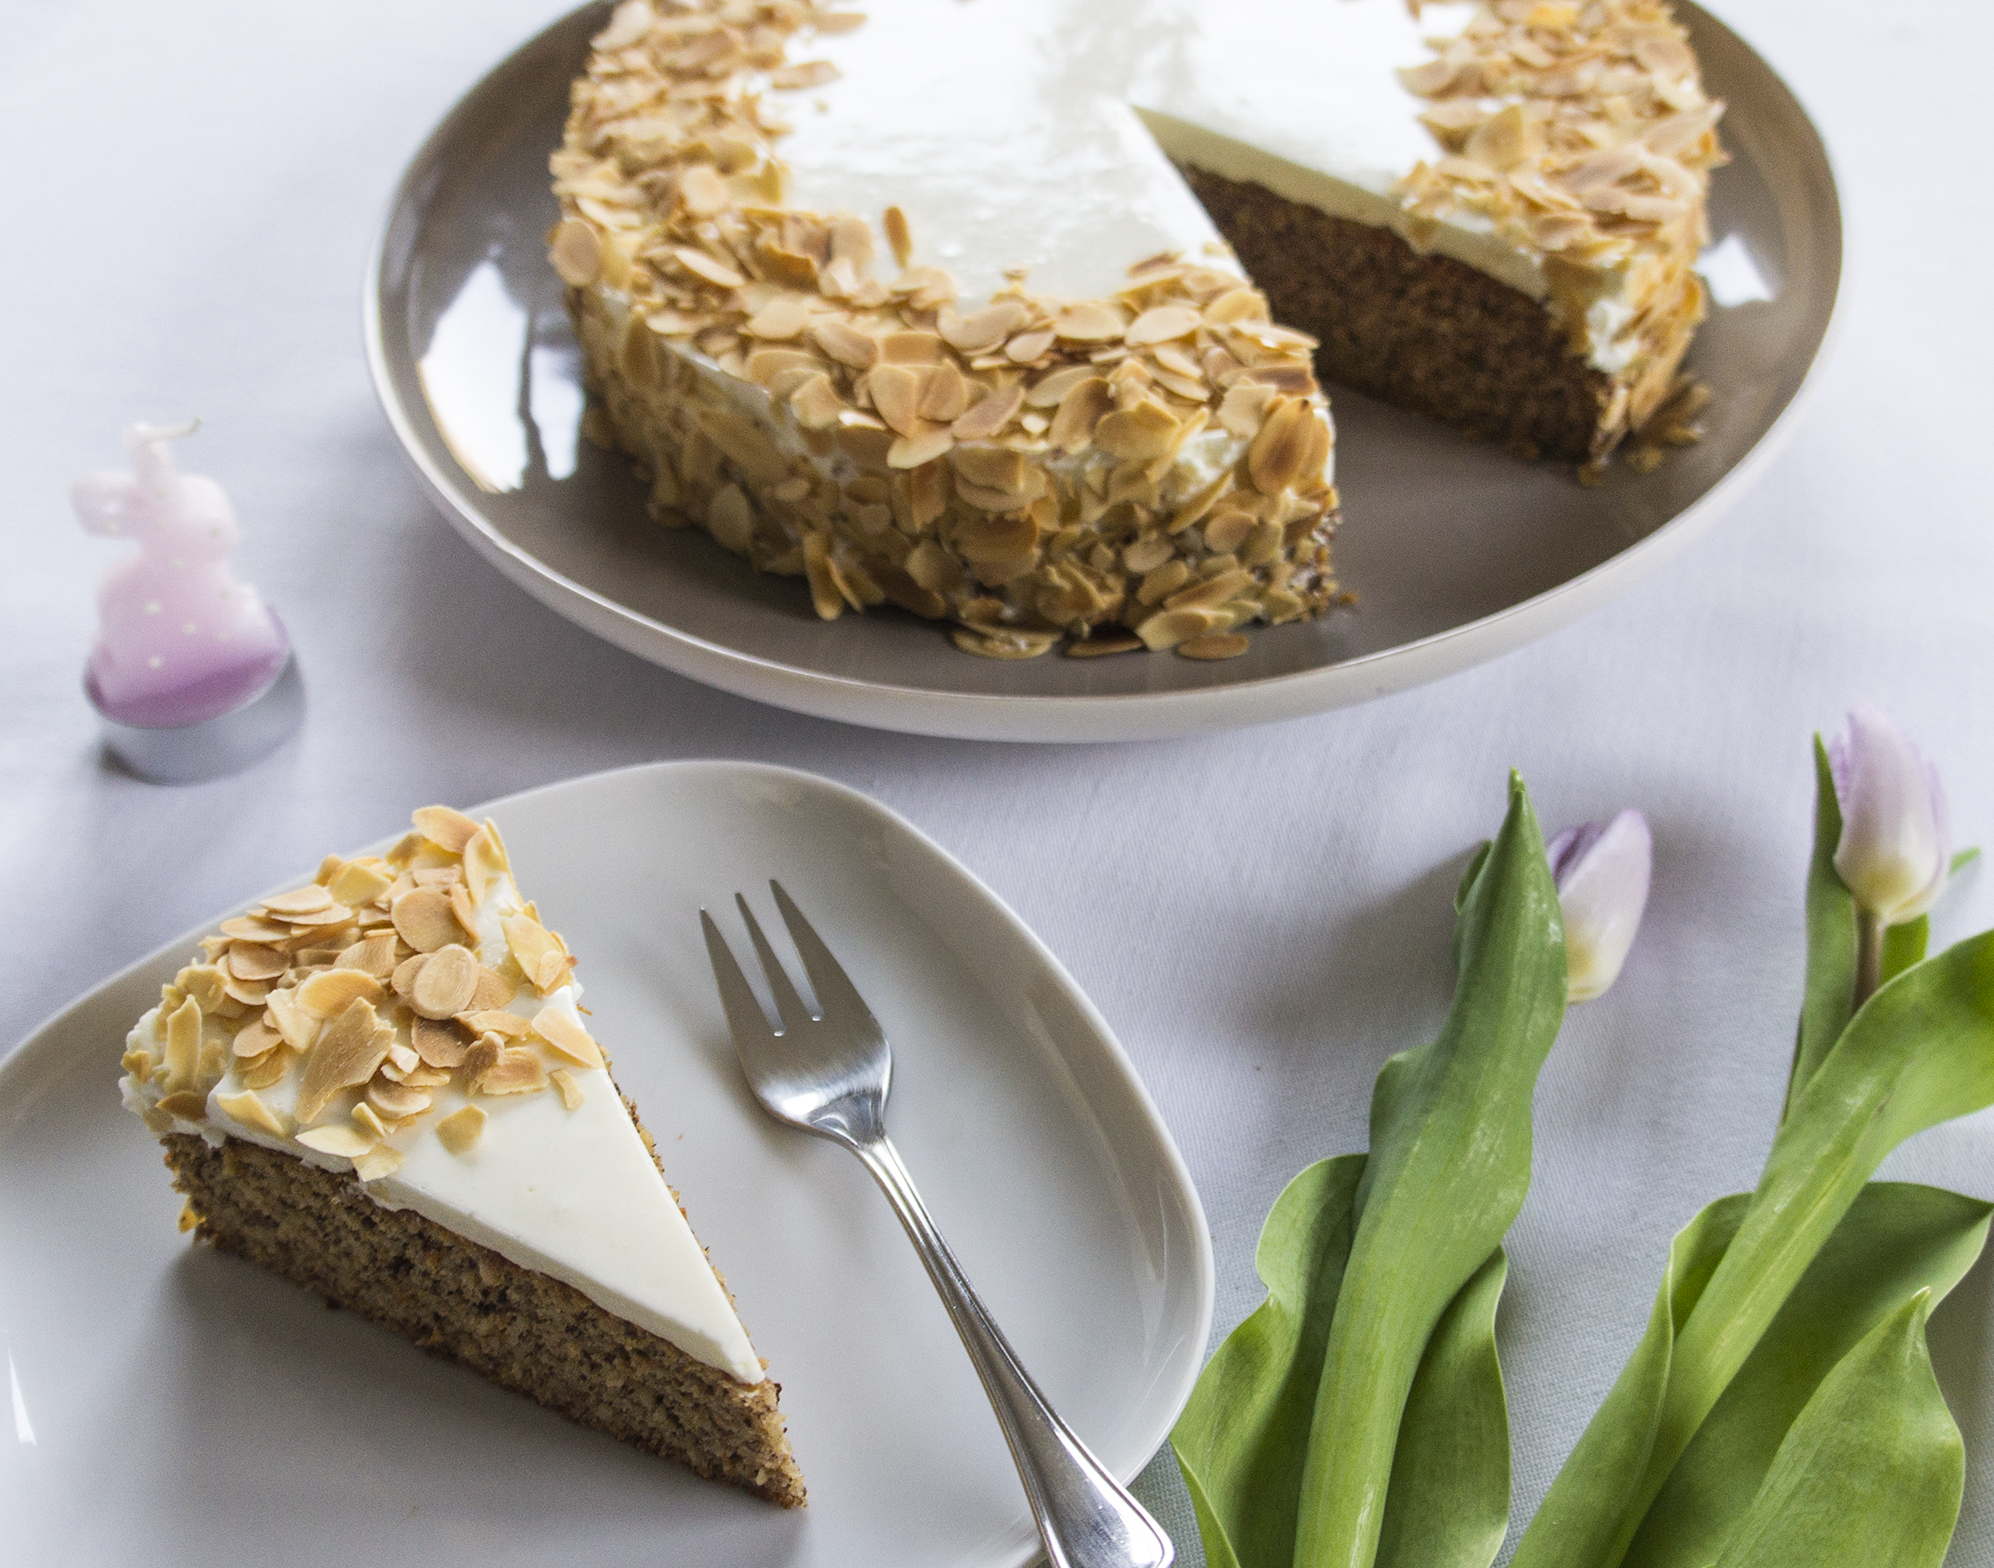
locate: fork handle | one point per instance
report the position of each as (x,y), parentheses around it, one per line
(1085,1517)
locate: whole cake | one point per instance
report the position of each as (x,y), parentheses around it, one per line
(921,304)
(381,1087)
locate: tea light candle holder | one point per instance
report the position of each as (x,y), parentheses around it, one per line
(192,673)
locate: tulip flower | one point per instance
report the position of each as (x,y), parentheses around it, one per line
(1601,870)
(1896,845)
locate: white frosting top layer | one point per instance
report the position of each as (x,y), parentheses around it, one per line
(574,1194)
(1040,133)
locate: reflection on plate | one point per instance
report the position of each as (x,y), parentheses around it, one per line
(1457,552)
(170,1404)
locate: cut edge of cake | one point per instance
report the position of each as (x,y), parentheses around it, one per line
(298,1073)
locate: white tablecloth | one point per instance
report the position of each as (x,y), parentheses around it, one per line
(1263,916)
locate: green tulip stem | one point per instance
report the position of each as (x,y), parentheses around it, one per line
(1869,956)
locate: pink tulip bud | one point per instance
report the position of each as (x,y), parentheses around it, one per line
(1896,846)
(1602,875)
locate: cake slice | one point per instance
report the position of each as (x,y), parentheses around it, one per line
(381,1086)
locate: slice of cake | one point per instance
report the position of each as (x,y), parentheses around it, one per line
(381,1086)
(919,305)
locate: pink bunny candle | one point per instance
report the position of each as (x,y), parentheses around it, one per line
(189,665)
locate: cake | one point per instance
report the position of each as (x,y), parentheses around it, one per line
(1011,314)
(382,1087)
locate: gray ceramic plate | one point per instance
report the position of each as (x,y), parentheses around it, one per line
(1457,552)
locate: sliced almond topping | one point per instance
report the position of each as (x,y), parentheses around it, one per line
(425,919)
(357,885)
(264,1071)
(1028,346)
(403,980)
(183,1045)
(401,1058)
(896,397)
(462,908)
(706,268)
(377,1162)
(990,416)
(1168,628)
(329,992)
(349,1050)
(982,329)
(565,1086)
(576,252)
(395,1101)
(846,344)
(702,190)
(348,1142)
(1162,325)
(538,954)
(446,983)
(924,446)
(249,1109)
(484,861)
(364,1117)
(493,990)
(297,1026)
(560,1029)
(517,1071)
(300,901)
(444,827)
(254,1038)
(1089,322)
(899,237)
(246,928)
(944,394)
(496,1020)
(1142,431)
(190,1105)
(812,73)
(1079,412)
(254,961)
(459,1130)
(438,1042)
(374,954)
(1276,457)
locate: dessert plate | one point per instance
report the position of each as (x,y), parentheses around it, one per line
(168,1401)
(1456,552)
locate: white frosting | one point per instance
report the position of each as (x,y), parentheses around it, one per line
(573,1194)
(1040,133)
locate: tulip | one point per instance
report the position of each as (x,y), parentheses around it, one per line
(1896,845)
(1601,870)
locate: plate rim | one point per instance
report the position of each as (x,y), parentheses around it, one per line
(21,1061)
(1081,717)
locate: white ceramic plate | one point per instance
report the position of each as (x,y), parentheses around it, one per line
(171,1405)
(1457,552)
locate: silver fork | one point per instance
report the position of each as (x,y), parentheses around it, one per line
(829,1074)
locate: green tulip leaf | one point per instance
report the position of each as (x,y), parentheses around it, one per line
(1448,1169)
(1871,1471)
(1371,1369)
(1897,1241)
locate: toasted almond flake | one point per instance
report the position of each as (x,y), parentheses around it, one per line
(782,318)
(446,984)
(701,189)
(1101,643)
(401,1058)
(365,1118)
(496,1020)
(402,983)
(299,901)
(981,329)
(565,1086)
(331,991)
(1142,431)
(349,1050)
(484,862)
(844,343)
(396,1101)
(254,1038)
(944,394)
(990,416)
(1089,322)
(706,268)
(321,920)
(297,1026)
(896,397)
(190,1105)
(183,1045)
(812,73)
(249,1109)
(358,885)
(377,1162)
(425,919)
(438,1042)
(1168,628)
(1162,325)
(493,990)
(899,237)
(517,1071)
(347,1142)
(1148,553)
(442,878)
(446,828)
(1278,453)
(264,1071)
(458,1131)
(245,928)
(254,961)
(923,446)
(565,1034)
(374,954)
(465,911)
(1029,346)
(539,955)
(1079,412)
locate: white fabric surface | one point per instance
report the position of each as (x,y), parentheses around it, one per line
(1263,916)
